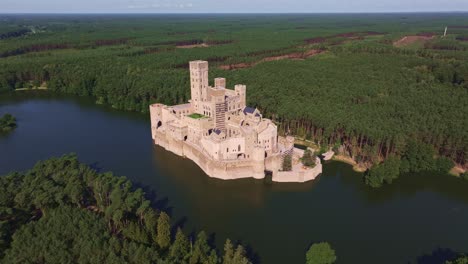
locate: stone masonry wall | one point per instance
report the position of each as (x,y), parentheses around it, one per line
(225,170)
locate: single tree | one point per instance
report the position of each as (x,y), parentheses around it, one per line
(179,251)
(287,163)
(7,123)
(228,252)
(201,249)
(320,253)
(308,158)
(164,230)
(239,256)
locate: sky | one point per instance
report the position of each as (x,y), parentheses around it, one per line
(229,6)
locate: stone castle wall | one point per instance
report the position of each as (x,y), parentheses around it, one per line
(224,148)
(225,170)
(236,169)
(298,176)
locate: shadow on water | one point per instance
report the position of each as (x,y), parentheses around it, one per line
(406,185)
(157,202)
(14,98)
(438,256)
(277,220)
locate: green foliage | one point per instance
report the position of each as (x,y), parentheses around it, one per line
(460,260)
(65,235)
(287,163)
(383,173)
(62,211)
(196,116)
(179,251)
(164,231)
(320,253)
(201,250)
(7,123)
(418,157)
(308,158)
(384,96)
(443,164)
(232,256)
(228,252)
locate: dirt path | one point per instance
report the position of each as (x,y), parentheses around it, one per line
(290,56)
(203,45)
(408,40)
(30,89)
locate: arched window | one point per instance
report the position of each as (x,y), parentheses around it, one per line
(239,148)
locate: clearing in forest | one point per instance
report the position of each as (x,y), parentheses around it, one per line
(291,56)
(191,46)
(408,40)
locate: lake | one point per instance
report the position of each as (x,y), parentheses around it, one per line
(419,219)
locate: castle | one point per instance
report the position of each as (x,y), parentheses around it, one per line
(221,134)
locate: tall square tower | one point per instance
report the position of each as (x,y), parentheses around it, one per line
(198,83)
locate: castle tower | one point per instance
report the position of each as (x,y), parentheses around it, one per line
(219,109)
(220,83)
(241,91)
(198,84)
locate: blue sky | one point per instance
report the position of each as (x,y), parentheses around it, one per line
(228,6)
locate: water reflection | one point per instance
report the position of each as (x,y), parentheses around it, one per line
(216,192)
(415,215)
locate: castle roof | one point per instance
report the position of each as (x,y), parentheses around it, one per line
(249,110)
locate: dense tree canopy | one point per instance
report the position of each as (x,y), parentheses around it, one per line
(418,157)
(62,211)
(361,91)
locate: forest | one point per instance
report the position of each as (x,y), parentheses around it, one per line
(370,84)
(63,211)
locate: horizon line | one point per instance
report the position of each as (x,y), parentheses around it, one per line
(228,13)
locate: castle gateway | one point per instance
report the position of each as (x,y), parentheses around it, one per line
(223,136)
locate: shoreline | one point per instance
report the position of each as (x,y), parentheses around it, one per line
(336,157)
(350,161)
(455,171)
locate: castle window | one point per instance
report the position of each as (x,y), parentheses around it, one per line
(239,149)
(227,150)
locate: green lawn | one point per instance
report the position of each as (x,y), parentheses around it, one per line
(196,116)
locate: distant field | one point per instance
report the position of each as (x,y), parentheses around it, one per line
(369,82)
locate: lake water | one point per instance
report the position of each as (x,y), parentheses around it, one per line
(418,219)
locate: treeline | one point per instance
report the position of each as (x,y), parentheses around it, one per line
(371,108)
(62,211)
(418,157)
(365,95)
(58,46)
(14,34)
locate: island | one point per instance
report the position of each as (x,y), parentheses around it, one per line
(7,123)
(223,136)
